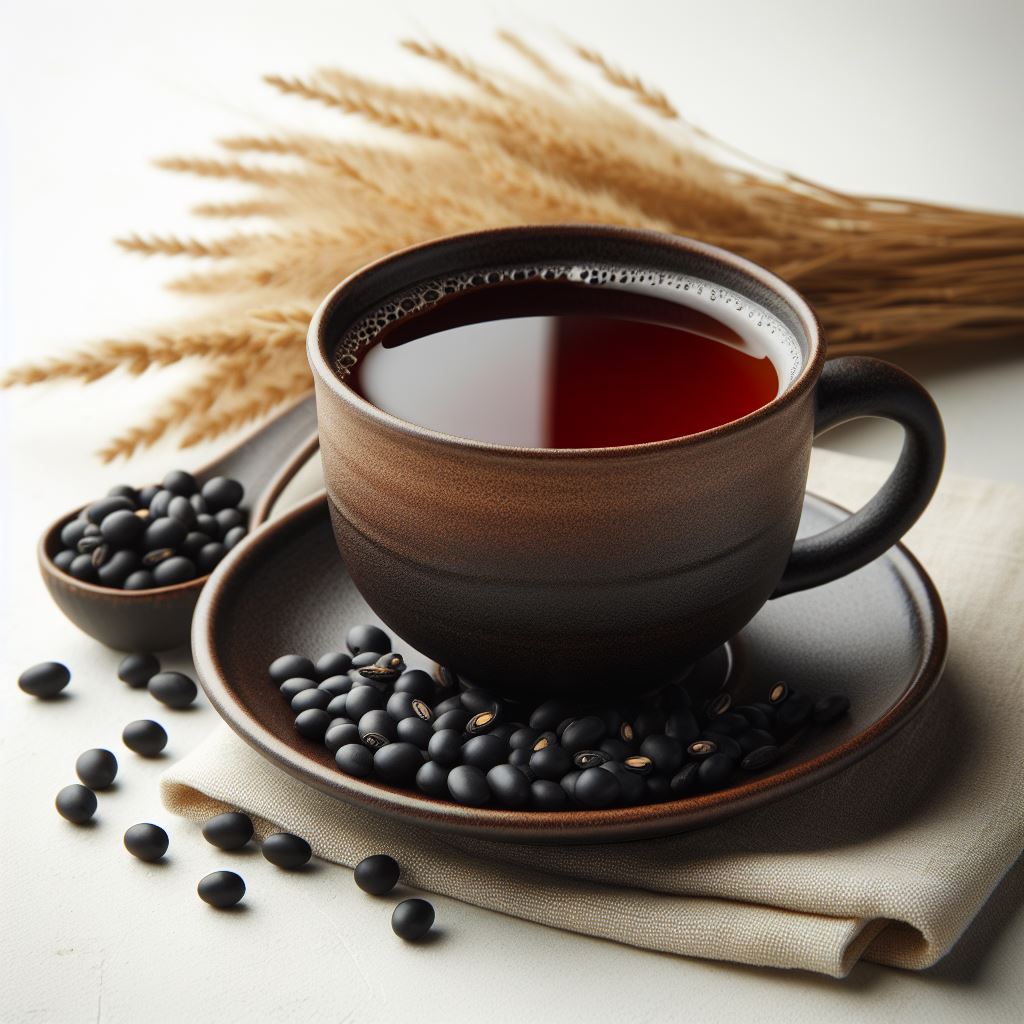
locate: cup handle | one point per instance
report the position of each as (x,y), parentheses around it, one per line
(849,388)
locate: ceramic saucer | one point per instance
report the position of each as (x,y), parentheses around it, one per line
(877,635)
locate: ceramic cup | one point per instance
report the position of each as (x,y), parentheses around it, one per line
(576,571)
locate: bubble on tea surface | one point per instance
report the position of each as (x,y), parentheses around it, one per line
(761,331)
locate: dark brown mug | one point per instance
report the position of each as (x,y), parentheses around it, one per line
(569,571)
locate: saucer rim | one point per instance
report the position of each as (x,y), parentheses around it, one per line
(567,826)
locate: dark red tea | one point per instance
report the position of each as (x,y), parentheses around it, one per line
(563,364)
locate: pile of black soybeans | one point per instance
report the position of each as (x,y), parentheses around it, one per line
(383,721)
(155,536)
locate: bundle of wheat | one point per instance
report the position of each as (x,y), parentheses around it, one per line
(534,146)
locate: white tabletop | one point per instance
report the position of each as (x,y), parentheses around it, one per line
(915,99)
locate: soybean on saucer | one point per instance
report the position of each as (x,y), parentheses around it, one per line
(877,635)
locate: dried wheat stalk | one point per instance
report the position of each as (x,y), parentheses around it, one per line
(537,146)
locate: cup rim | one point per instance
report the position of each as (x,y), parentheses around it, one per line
(319,357)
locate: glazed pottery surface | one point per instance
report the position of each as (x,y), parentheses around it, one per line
(534,570)
(877,635)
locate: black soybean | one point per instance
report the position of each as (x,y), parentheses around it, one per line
(221,889)
(467,784)
(399,706)
(657,788)
(339,734)
(146,841)
(174,570)
(210,556)
(685,780)
(375,723)
(335,663)
(228,831)
(416,683)
(397,763)
(509,786)
(521,757)
(76,803)
(754,738)
(63,560)
(193,543)
(455,719)
(122,528)
(715,771)
(158,504)
(364,660)
(598,789)
(313,723)
(412,919)
(547,716)
(286,850)
(141,579)
(174,689)
(367,638)
(682,726)
(222,492)
(354,759)
(432,779)
(339,706)
(729,724)
(445,747)
(665,752)
(336,685)
(793,713)
(546,795)
(229,519)
(99,510)
(700,749)
(44,680)
(290,666)
(97,768)
(145,737)
(233,537)
(124,491)
(116,570)
(615,748)
(449,704)
(73,532)
(477,701)
(755,716)
(163,533)
(583,734)
(81,568)
(290,688)
(377,874)
(363,699)
(725,744)
(632,783)
(484,751)
(415,731)
(523,739)
(760,758)
(310,697)
(567,783)
(647,723)
(482,722)
(178,481)
(551,762)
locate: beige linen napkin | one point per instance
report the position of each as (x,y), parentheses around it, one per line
(888,861)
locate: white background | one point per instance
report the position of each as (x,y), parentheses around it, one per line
(917,99)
